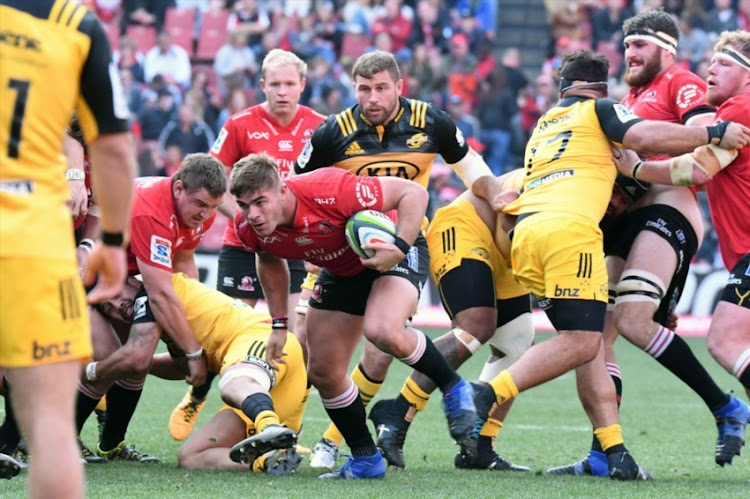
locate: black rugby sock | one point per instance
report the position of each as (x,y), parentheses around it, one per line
(433,365)
(350,421)
(121,404)
(10,435)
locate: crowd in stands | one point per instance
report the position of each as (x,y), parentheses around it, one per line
(187,65)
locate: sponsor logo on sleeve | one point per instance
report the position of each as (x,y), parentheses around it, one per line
(304,158)
(688,95)
(365,194)
(161,251)
(624,114)
(216,148)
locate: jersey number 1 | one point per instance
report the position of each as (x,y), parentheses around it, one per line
(19,109)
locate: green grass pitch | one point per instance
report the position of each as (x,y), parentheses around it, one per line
(667,428)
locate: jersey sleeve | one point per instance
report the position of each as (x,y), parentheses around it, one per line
(355,193)
(688,94)
(452,144)
(615,119)
(151,242)
(102,108)
(226,147)
(318,150)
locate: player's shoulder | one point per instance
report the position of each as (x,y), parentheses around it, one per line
(249,114)
(63,13)
(735,109)
(311,114)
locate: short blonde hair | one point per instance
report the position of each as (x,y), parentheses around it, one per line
(738,40)
(279,57)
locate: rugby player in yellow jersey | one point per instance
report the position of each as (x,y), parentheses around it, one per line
(557,249)
(45,332)
(485,304)
(258,398)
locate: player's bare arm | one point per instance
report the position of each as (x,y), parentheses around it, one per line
(184,261)
(168,311)
(273,273)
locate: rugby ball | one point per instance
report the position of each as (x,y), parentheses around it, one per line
(369,226)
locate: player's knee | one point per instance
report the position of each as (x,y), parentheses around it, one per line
(323,375)
(587,344)
(634,320)
(186,458)
(514,337)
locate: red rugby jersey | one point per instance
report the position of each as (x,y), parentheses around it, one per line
(254,130)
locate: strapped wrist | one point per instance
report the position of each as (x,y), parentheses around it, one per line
(197,355)
(91,371)
(87,244)
(402,245)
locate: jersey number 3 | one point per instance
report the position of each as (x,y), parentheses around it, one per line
(19,109)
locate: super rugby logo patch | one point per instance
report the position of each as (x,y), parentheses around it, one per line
(161,251)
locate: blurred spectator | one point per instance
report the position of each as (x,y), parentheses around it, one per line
(187,132)
(458,70)
(132,93)
(332,101)
(460,112)
(568,19)
(248,17)
(127,57)
(606,23)
(157,111)
(236,101)
(358,16)
(429,26)
(469,25)
(205,102)
(497,107)
(235,63)
(722,17)
(486,59)
(169,60)
(743,15)
(484,12)
(393,23)
(693,42)
(172,159)
(511,61)
(145,12)
(423,73)
(108,11)
(329,29)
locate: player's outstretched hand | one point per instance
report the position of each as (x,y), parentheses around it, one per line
(107,266)
(385,258)
(275,349)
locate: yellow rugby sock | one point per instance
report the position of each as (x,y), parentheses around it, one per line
(609,436)
(265,418)
(102,405)
(504,387)
(491,428)
(416,397)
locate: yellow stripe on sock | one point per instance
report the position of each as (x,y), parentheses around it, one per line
(265,418)
(491,428)
(609,436)
(504,386)
(415,395)
(367,389)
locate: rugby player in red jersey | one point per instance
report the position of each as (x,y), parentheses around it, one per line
(168,220)
(280,126)
(304,217)
(728,189)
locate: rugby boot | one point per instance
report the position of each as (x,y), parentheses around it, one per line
(183,417)
(324,454)
(359,468)
(458,405)
(391,430)
(731,428)
(125,452)
(272,437)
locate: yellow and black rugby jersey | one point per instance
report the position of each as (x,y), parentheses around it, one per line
(568,161)
(405,147)
(214,317)
(54,58)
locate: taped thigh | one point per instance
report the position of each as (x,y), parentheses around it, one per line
(640,286)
